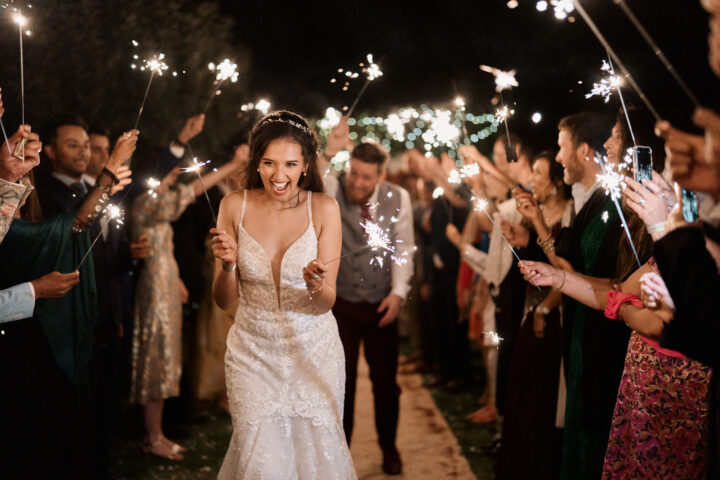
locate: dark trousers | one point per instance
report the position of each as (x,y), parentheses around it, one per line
(356,322)
(105,382)
(451,335)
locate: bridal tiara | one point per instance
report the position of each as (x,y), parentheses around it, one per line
(295,124)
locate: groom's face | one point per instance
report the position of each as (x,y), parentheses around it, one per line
(361,180)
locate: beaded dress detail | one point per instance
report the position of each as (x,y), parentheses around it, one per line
(285,371)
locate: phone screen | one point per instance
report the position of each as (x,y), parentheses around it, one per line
(642,163)
(690,206)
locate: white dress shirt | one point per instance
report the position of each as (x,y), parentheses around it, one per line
(17,302)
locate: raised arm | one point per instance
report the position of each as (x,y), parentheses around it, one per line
(224,249)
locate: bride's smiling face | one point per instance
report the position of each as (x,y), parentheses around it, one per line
(281,167)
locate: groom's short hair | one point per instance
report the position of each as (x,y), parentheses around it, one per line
(370,153)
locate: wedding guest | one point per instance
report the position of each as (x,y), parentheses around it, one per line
(369,293)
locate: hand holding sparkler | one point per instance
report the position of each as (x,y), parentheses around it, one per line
(710,121)
(224,248)
(193,127)
(542,275)
(12,168)
(55,284)
(686,160)
(314,275)
(123,150)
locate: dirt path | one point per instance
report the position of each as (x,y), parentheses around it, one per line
(428,448)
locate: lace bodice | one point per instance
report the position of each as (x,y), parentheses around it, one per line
(257,287)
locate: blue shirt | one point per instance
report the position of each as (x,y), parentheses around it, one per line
(17,302)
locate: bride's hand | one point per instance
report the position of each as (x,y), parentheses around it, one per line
(314,275)
(224,247)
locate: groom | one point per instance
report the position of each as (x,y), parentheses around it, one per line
(370,292)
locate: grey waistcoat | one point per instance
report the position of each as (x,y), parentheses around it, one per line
(358,279)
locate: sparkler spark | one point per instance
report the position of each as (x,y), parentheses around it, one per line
(152,183)
(607,85)
(113,213)
(19,19)
(225,70)
(495,339)
(454,177)
(611,179)
(155,64)
(438,192)
(503,80)
(562,8)
(373,69)
(469,170)
(195,167)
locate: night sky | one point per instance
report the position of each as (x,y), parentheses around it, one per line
(296,47)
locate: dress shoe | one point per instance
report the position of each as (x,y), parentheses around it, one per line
(392,465)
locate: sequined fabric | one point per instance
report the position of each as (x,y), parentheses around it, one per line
(156,354)
(285,372)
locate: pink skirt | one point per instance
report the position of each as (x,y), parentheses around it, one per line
(659,425)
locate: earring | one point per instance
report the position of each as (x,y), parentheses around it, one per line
(554,191)
(258,170)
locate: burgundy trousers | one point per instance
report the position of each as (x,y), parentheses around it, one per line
(358,321)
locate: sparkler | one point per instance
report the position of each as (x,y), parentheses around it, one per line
(372,71)
(195,168)
(225,70)
(612,181)
(156,65)
(658,52)
(581,10)
(21,21)
(111,213)
(607,85)
(504,81)
(380,240)
(482,204)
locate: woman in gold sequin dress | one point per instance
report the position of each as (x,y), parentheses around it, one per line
(156,353)
(284,367)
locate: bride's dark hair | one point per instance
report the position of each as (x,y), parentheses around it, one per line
(289,125)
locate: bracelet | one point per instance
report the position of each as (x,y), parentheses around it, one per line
(656,228)
(547,245)
(313,292)
(230,269)
(563,281)
(113,177)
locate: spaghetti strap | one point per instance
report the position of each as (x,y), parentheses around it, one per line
(309,200)
(242,210)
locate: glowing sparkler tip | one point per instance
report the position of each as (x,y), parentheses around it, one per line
(155,64)
(20,19)
(225,70)
(503,80)
(438,192)
(495,339)
(373,69)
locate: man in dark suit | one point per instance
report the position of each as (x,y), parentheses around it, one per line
(60,192)
(594,351)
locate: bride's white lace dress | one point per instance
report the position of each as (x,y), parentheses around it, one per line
(285,372)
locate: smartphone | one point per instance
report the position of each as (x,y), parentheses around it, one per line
(690,206)
(642,163)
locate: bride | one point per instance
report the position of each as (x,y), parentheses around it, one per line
(284,363)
